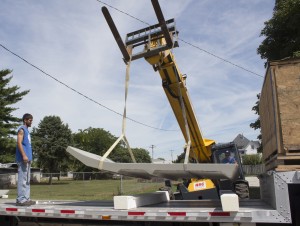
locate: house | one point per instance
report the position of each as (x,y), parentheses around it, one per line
(246,146)
(161,161)
(251,147)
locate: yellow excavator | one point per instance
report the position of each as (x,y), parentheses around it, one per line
(155,44)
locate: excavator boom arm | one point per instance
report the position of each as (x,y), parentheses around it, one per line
(174,85)
(157,41)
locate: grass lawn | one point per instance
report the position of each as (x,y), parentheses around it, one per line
(67,189)
(87,190)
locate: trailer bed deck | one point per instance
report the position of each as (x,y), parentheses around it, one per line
(174,210)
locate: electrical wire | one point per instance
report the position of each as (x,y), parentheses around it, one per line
(96,102)
(220,58)
(81,94)
(123,12)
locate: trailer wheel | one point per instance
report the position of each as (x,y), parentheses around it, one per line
(241,188)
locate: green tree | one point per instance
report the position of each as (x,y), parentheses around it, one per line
(282,40)
(8,150)
(49,142)
(180,158)
(282,32)
(98,141)
(94,140)
(256,125)
(141,155)
(9,95)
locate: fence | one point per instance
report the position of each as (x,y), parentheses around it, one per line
(82,175)
(247,169)
(6,180)
(253,169)
(10,179)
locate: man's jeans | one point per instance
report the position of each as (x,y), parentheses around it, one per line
(23,182)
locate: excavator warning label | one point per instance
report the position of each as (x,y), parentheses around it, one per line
(199,185)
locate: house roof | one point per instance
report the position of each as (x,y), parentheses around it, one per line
(241,141)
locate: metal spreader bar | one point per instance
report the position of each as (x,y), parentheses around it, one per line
(143,37)
(162,23)
(115,33)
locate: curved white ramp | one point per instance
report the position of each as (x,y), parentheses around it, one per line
(149,170)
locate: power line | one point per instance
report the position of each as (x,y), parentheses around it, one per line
(76,91)
(81,94)
(104,3)
(220,58)
(186,42)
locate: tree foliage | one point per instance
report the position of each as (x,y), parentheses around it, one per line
(141,155)
(94,140)
(180,158)
(49,142)
(256,125)
(8,150)
(9,95)
(282,39)
(98,141)
(282,32)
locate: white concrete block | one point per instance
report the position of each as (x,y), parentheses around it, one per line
(126,202)
(230,202)
(3,192)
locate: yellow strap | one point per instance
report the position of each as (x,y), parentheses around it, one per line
(100,166)
(129,49)
(122,137)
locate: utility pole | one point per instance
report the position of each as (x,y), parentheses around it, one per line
(152,147)
(171,154)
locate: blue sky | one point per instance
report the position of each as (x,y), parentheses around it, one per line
(71,41)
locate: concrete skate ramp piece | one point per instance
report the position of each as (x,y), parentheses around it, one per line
(150,170)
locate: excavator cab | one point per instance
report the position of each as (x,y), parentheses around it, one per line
(227,153)
(200,188)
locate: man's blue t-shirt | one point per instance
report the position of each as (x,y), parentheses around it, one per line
(230,160)
(26,143)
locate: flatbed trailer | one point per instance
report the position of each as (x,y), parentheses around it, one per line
(279,191)
(279,203)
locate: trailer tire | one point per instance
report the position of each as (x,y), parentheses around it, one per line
(242,189)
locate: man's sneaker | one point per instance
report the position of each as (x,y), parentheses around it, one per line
(26,203)
(32,202)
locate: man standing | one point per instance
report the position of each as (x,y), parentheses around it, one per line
(24,159)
